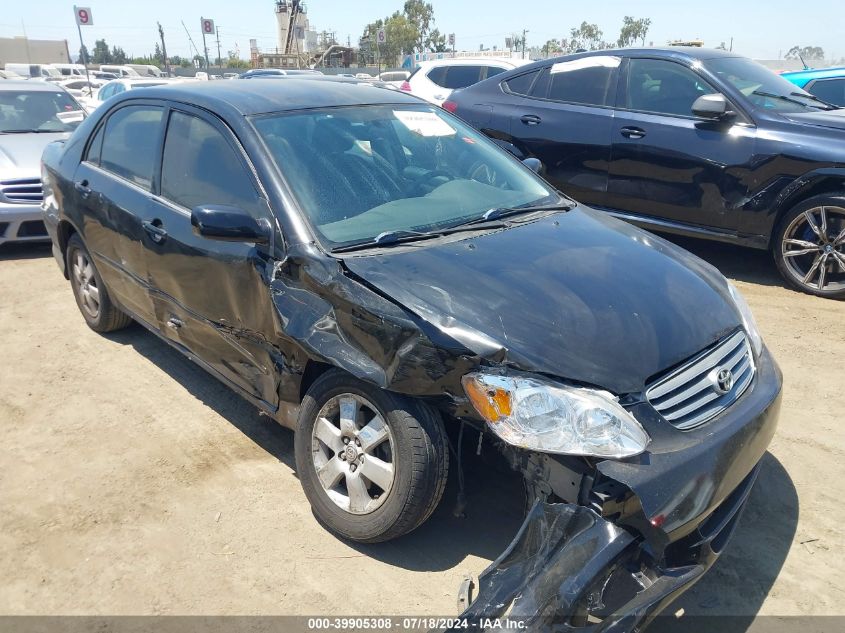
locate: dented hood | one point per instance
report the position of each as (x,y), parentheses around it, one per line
(577,295)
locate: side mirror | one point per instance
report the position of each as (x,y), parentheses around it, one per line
(534,164)
(712,106)
(229,224)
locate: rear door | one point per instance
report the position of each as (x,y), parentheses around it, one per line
(113,186)
(562,115)
(668,163)
(211,297)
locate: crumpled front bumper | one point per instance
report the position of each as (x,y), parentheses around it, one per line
(570,568)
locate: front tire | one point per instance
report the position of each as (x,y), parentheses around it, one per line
(90,292)
(809,246)
(373,464)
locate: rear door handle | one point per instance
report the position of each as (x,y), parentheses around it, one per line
(154,230)
(83,188)
(530,119)
(632,132)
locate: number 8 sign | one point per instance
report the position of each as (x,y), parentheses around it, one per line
(83,16)
(207,26)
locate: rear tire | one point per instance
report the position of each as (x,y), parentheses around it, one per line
(809,246)
(349,431)
(90,292)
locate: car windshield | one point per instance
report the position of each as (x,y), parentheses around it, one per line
(762,87)
(362,171)
(24,111)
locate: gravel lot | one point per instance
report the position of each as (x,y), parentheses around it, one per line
(131,482)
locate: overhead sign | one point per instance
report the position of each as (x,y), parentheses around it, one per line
(381,36)
(207,26)
(451,39)
(83,16)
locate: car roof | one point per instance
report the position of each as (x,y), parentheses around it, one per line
(259,96)
(28,85)
(473,61)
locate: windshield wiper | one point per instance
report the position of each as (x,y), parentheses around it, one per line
(387,238)
(832,106)
(772,95)
(497,213)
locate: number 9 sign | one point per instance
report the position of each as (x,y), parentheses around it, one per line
(83,16)
(207,26)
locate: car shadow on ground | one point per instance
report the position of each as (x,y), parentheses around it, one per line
(737,262)
(495,497)
(729,596)
(31,250)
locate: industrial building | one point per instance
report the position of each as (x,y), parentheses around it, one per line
(23,50)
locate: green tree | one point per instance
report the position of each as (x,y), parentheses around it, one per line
(586,37)
(552,47)
(633,31)
(84,55)
(118,55)
(101,54)
(805,52)
(421,16)
(436,42)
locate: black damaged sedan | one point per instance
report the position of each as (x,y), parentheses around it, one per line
(373,273)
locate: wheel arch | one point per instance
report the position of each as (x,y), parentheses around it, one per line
(818,182)
(64,231)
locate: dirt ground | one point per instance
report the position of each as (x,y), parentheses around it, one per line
(133,483)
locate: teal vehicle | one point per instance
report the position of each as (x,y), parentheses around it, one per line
(828,84)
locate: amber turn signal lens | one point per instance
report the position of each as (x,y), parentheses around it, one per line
(491,402)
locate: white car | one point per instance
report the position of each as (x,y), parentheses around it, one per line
(32,115)
(116,86)
(83,91)
(394,77)
(435,80)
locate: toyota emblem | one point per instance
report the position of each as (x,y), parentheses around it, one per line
(724,381)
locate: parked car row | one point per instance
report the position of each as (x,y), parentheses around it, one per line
(386,278)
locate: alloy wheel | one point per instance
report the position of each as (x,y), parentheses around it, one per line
(86,284)
(813,248)
(353,452)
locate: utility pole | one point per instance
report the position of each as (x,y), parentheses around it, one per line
(524,31)
(163,49)
(219,58)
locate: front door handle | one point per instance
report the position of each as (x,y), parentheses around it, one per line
(632,132)
(530,119)
(154,230)
(83,188)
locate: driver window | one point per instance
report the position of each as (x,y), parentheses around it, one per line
(662,87)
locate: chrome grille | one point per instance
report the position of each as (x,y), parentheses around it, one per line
(23,190)
(692,394)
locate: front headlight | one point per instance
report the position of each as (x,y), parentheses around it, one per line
(748,321)
(538,415)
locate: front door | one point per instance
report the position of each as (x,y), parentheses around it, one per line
(665,162)
(211,297)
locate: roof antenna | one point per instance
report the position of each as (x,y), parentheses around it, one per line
(803,62)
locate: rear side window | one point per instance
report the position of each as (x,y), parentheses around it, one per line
(830,90)
(462,76)
(130,143)
(438,76)
(521,84)
(200,166)
(587,80)
(93,155)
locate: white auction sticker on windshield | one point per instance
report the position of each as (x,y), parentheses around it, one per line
(424,123)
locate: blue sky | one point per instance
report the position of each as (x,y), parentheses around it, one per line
(760,29)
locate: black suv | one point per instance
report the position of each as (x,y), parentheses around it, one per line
(691,141)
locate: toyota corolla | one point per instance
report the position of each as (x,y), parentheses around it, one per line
(375,274)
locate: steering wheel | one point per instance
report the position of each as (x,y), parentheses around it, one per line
(483,173)
(424,182)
